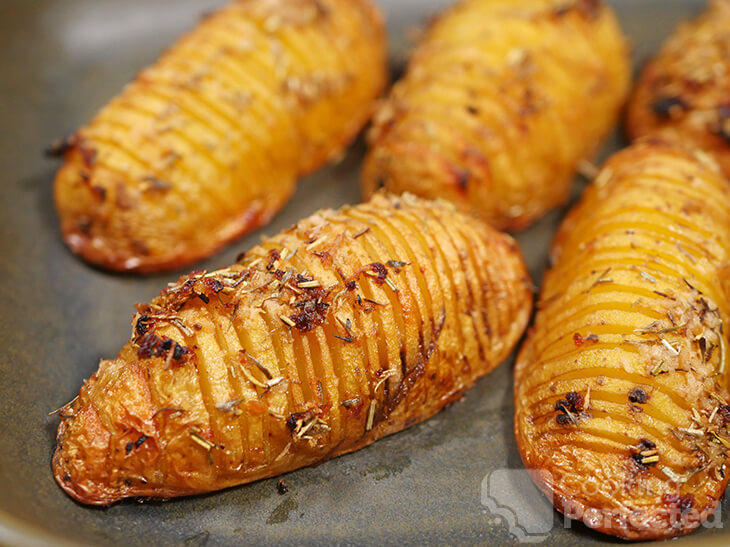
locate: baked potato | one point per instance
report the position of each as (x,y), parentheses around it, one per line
(683,94)
(351,325)
(621,390)
(501,101)
(207,144)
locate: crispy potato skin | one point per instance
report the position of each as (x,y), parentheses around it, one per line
(614,424)
(405,304)
(501,101)
(682,94)
(207,144)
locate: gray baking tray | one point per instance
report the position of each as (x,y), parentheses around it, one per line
(60,60)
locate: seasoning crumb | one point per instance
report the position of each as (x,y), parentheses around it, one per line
(281,487)
(638,395)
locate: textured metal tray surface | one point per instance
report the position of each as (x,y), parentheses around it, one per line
(60,60)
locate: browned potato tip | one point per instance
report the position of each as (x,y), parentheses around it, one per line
(349,326)
(207,143)
(684,93)
(501,102)
(621,390)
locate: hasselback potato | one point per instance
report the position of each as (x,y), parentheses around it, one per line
(621,389)
(682,94)
(349,326)
(207,143)
(501,101)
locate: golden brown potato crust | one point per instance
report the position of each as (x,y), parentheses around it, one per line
(501,101)
(621,389)
(351,325)
(684,93)
(207,143)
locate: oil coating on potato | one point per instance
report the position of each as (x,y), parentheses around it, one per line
(683,94)
(207,143)
(351,325)
(501,101)
(621,389)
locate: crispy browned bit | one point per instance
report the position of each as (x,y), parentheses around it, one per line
(638,395)
(274,258)
(99,192)
(295,420)
(157,184)
(312,310)
(377,271)
(151,345)
(570,407)
(566,419)
(578,339)
(462,179)
(178,351)
(575,400)
(142,325)
(681,502)
(59,147)
(645,454)
(669,107)
(281,487)
(350,402)
(88,154)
